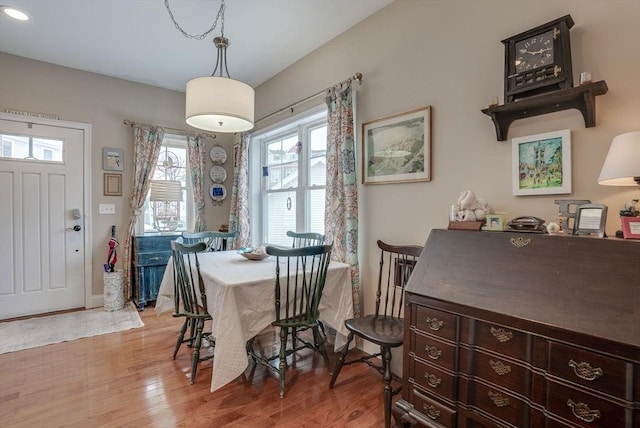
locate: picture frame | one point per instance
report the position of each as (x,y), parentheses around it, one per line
(112,159)
(495,222)
(590,218)
(112,184)
(630,227)
(397,149)
(541,163)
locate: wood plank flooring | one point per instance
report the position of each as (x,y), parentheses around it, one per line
(128,379)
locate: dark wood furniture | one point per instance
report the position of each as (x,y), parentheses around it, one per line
(582,98)
(522,330)
(151,253)
(385,326)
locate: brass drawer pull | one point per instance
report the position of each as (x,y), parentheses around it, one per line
(433,352)
(583,412)
(499,367)
(432,412)
(498,399)
(435,324)
(154,259)
(585,371)
(501,334)
(432,380)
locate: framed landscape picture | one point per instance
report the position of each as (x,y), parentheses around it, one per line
(397,148)
(541,163)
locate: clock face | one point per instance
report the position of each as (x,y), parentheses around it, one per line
(218,155)
(534,52)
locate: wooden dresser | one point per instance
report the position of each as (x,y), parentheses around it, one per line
(151,253)
(522,330)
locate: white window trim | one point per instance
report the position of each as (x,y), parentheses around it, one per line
(255,164)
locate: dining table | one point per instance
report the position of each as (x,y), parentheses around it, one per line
(240,299)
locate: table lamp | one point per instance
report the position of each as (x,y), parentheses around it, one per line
(622,165)
(165,197)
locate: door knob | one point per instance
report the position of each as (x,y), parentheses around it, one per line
(76,228)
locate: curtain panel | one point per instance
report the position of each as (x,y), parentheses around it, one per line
(196,154)
(341,203)
(146,149)
(239,214)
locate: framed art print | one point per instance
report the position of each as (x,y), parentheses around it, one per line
(541,164)
(112,184)
(397,148)
(112,159)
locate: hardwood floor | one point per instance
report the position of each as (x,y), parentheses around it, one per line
(128,379)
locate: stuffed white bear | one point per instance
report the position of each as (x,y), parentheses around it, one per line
(471,208)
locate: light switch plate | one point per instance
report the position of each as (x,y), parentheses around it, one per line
(107,209)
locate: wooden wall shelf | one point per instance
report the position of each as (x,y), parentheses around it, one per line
(581,97)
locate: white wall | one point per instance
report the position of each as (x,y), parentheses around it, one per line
(448,54)
(104,102)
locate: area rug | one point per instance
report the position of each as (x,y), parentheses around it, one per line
(40,331)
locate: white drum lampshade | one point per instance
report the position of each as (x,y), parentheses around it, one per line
(219,104)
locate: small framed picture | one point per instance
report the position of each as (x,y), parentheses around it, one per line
(590,218)
(541,164)
(112,159)
(112,184)
(630,227)
(495,222)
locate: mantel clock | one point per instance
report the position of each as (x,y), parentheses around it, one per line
(538,60)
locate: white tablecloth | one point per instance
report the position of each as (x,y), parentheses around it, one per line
(240,299)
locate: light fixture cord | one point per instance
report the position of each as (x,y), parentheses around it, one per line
(220,17)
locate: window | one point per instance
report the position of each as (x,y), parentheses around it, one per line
(22,147)
(293,176)
(172,165)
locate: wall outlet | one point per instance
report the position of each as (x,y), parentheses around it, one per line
(107,209)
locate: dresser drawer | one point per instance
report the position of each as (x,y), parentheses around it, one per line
(152,259)
(433,379)
(436,322)
(497,338)
(498,371)
(585,410)
(153,243)
(431,409)
(590,369)
(433,350)
(500,404)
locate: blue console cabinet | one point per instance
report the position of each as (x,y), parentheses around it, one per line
(151,253)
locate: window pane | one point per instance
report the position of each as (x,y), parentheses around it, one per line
(281,214)
(318,156)
(23,147)
(316,211)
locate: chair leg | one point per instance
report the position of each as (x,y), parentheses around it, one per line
(386,363)
(340,361)
(196,348)
(180,339)
(319,344)
(283,358)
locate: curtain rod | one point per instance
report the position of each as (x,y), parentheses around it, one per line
(180,131)
(357,76)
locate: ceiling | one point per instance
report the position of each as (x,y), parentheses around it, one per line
(136,39)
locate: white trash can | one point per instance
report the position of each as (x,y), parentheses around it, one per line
(113,293)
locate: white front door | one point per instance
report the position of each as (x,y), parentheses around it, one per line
(42,219)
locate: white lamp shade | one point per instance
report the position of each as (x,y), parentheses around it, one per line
(165,191)
(623,161)
(219,104)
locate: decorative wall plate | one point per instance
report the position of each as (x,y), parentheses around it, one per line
(218,155)
(218,174)
(218,192)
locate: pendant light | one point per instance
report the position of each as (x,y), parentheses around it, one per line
(218,103)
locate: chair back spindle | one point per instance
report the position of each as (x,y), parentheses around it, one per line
(305,239)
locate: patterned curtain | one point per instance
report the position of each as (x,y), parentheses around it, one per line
(196,154)
(146,149)
(341,204)
(239,215)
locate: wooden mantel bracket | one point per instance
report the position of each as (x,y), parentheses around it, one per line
(581,97)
